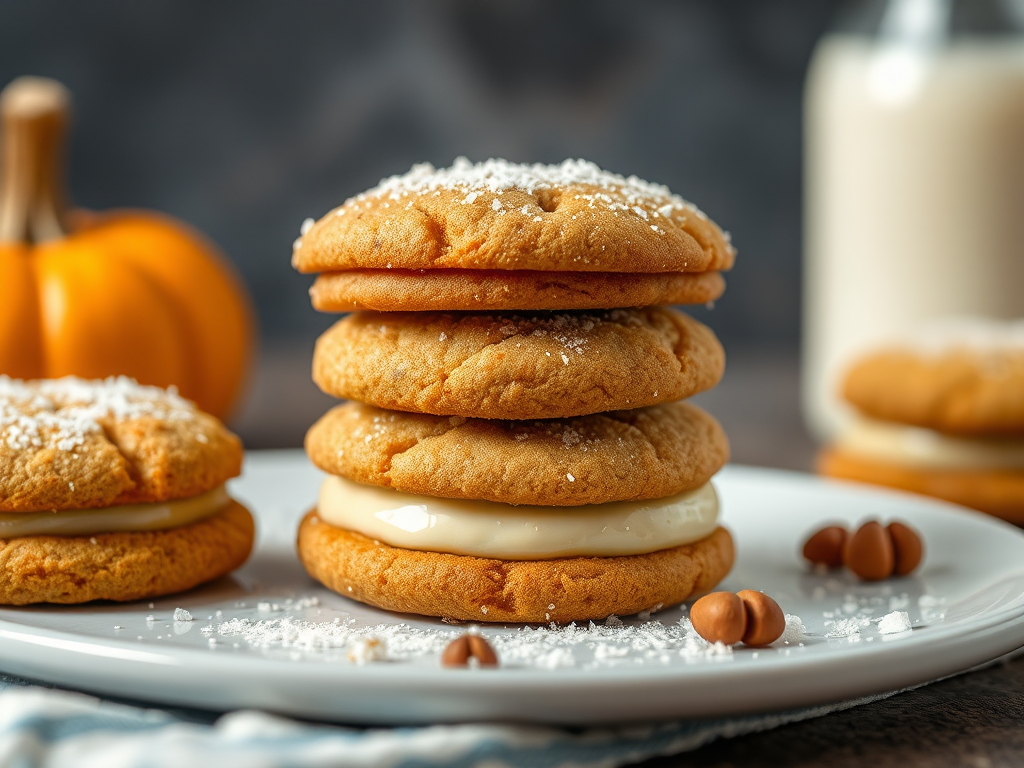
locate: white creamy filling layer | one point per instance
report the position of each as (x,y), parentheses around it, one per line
(926,448)
(155,516)
(507,532)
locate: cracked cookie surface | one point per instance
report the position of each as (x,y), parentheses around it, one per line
(76,444)
(646,453)
(512,366)
(480,589)
(571,217)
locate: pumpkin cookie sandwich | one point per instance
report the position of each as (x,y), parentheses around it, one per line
(111,490)
(514,451)
(502,236)
(483,520)
(941,414)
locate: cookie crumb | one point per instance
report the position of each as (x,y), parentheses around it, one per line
(367,649)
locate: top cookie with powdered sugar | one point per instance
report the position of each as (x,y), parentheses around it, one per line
(496,215)
(76,444)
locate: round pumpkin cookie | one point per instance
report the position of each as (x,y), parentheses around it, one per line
(507,366)
(481,589)
(77,444)
(497,215)
(124,565)
(113,490)
(959,377)
(646,453)
(999,492)
(389,290)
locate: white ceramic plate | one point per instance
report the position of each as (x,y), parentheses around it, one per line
(972,611)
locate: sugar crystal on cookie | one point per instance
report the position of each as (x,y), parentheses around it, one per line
(60,413)
(497,176)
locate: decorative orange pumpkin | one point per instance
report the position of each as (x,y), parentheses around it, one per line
(95,295)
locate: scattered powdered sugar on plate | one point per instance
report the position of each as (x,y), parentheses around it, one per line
(613,644)
(894,623)
(932,608)
(794,632)
(846,627)
(61,413)
(366,650)
(594,645)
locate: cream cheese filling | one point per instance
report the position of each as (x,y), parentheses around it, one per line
(926,448)
(155,516)
(507,532)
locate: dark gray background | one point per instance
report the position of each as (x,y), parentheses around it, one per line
(244,118)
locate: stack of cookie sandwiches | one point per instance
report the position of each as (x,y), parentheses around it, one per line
(114,491)
(940,413)
(514,449)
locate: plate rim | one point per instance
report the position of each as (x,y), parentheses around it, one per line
(1000,629)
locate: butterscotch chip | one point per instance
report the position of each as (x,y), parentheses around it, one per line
(123,566)
(959,389)
(999,492)
(389,290)
(496,215)
(76,444)
(507,366)
(478,589)
(647,453)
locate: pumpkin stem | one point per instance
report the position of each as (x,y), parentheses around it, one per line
(34,116)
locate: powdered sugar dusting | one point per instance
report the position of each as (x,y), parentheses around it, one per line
(590,646)
(795,631)
(894,623)
(846,627)
(61,413)
(496,176)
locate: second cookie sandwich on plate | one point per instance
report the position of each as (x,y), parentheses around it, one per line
(113,491)
(940,413)
(528,464)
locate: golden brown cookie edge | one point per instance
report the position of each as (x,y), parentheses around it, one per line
(124,566)
(957,392)
(997,492)
(132,461)
(646,456)
(386,290)
(438,229)
(461,587)
(470,365)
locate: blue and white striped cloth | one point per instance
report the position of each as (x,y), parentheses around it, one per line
(43,727)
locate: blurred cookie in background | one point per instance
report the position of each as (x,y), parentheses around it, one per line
(942,414)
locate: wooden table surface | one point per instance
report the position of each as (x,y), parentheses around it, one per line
(974,720)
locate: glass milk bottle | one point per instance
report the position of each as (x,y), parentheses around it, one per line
(914,207)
